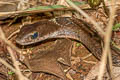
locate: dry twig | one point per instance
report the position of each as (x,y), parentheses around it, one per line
(106,50)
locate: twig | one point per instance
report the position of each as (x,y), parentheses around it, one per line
(1,2)
(85,57)
(11,35)
(107,41)
(7,65)
(35,10)
(89,62)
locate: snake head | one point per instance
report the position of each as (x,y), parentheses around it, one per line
(27,35)
(36,32)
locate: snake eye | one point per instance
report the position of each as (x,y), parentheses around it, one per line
(34,35)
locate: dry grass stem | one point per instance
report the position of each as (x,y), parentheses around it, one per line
(16,65)
(87,56)
(17,70)
(110,67)
(97,27)
(6,3)
(11,35)
(7,65)
(107,40)
(89,62)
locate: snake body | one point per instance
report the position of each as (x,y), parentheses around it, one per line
(64,27)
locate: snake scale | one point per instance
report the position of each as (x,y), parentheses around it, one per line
(65,27)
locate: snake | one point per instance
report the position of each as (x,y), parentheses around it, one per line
(65,27)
